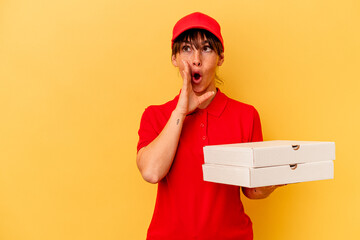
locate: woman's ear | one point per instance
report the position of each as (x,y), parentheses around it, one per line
(173,60)
(221,59)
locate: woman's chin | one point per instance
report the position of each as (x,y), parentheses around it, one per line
(199,90)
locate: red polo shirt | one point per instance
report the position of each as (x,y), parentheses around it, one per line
(186,206)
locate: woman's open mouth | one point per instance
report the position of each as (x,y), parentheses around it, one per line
(196,78)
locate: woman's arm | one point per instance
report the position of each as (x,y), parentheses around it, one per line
(259,192)
(154,160)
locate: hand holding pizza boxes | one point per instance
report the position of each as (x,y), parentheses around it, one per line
(258,164)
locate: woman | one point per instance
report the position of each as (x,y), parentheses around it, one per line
(172,136)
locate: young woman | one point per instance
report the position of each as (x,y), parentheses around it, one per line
(172,137)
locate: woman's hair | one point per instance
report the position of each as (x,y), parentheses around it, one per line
(191,35)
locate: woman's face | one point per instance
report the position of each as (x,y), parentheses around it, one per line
(202,62)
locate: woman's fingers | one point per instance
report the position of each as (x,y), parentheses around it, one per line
(183,103)
(186,69)
(186,74)
(205,97)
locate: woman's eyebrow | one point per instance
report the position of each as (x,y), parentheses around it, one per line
(204,43)
(195,43)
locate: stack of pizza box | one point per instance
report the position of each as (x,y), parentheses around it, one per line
(257,164)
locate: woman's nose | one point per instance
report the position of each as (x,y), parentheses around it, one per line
(196,59)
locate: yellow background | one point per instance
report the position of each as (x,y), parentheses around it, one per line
(75,77)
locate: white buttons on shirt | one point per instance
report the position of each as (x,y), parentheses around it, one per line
(202,125)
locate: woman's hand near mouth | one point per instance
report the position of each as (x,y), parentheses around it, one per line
(188,100)
(154,160)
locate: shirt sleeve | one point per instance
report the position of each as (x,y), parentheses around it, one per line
(147,132)
(256,131)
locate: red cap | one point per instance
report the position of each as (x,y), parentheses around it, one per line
(197,20)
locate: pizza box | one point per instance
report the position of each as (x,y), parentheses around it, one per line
(268,163)
(267,176)
(269,153)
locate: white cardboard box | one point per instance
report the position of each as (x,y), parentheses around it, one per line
(269,163)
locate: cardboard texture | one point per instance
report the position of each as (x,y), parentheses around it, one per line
(269,163)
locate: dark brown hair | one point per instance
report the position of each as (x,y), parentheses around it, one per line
(191,35)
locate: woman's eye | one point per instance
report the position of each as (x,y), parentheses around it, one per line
(186,48)
(207,49)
